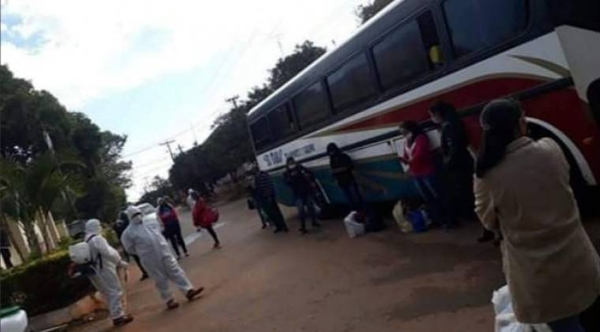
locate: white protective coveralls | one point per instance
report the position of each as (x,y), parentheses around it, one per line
(147,242)
(106,280)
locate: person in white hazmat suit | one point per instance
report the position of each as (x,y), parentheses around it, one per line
(106,280)
(156,257)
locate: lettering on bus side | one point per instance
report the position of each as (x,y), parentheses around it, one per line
(276,157)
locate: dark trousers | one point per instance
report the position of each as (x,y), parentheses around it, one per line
(6,257)
(139,264)
(304,204)
(173,234)
(273,213)
(212,233)
(587,321)
(429,189)
(354,197)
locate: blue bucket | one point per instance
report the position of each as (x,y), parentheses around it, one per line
(417,220)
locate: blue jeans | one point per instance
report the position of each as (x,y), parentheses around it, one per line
(429,189)
(569,324)
(306,203)
(353,196)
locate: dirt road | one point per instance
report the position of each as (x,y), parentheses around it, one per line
(325,281)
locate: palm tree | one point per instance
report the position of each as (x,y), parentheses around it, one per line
(31,190)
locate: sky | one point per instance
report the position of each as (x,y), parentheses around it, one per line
(159,70)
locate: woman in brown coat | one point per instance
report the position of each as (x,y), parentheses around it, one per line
(522,188)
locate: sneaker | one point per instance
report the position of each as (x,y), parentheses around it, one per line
(264,226)
(316,224)
(171,304)
(193,293)
(187,254)
(303,231)
(217,246)
(123,320)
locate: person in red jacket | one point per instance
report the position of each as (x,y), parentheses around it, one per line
(204,216)
(418,156)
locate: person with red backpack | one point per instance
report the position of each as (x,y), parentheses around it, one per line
(204,216)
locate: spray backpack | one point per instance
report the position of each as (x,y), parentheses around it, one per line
(83,264)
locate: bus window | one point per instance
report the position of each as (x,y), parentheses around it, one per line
(476,25)
(260,133)
(401,56)
(311,105)
(352,83)
(282,122)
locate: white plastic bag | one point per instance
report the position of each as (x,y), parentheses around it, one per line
(353,228)
(506,321)
(398,213)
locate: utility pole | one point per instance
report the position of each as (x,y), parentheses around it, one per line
(194,132)
(233,100)
(168,144)
(180,148)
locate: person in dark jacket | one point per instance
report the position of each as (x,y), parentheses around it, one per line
(266,199)
(342,169)
(458,162)
(172,229)
(119,227)
(301,181)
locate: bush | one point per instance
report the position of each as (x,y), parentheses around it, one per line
(42,285)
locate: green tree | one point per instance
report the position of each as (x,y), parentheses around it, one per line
(365,12)
(288,67)
(159,188)
(28,192)
(26,114)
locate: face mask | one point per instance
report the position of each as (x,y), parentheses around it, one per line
(137,219)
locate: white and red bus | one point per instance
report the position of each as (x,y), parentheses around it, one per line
(545,53)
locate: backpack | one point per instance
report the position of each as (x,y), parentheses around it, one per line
(83,262)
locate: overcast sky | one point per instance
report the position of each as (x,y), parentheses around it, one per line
(158,70)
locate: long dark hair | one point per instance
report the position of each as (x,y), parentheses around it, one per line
(500,120)
(446,111)
(413,128)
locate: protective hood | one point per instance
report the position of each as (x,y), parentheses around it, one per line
(93,227)
(132,212)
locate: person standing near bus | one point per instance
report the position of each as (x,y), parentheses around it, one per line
(172,229)
(457,162)
(342,169)
(266,200)
(421,166)
(522,188)
(301,181)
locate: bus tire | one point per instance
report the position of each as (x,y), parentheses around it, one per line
(584,193)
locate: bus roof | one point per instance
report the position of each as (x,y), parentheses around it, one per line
(367,33)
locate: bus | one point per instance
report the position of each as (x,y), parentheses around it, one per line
(545,53)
